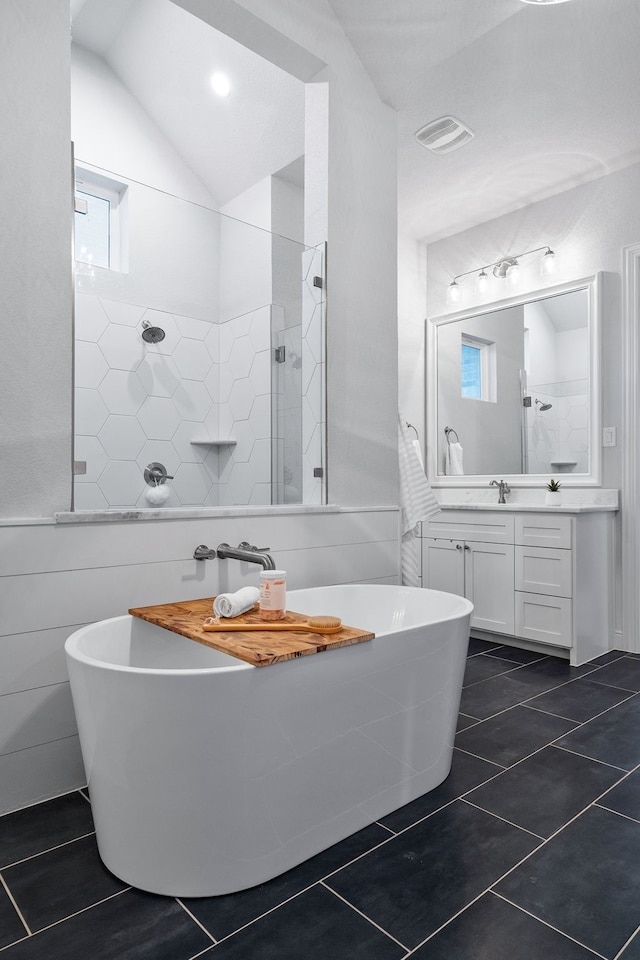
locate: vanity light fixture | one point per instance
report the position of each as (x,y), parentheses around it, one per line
(508,268)
(549,263)
(482,284)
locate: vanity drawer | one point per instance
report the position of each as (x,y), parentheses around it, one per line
(544,530)
(544,619)
(479,526)
(544,570)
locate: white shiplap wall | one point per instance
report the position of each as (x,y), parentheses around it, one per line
(57,577)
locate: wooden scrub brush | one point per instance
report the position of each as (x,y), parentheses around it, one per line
(310,625)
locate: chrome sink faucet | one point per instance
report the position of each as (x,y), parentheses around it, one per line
(503,487)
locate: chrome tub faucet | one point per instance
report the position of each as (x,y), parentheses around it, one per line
(244,551)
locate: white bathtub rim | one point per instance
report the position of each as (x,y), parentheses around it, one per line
(462,609)
(72,650)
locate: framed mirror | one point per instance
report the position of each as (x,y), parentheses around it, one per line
(513,390)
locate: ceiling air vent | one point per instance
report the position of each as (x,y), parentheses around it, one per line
(444,135)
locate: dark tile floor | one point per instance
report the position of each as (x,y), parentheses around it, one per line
(529,850)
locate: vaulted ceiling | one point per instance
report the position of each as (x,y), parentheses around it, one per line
(165,57)
(549,90)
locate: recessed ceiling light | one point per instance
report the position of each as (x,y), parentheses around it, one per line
(221,85)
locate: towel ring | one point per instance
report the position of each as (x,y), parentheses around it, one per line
(411,427)
(448,431)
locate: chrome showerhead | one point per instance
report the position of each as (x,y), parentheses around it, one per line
(541,405)
(152,334)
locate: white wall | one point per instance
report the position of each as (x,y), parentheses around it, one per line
(111,129)
(35,262)
(541,353)
(172,233)
(245,252)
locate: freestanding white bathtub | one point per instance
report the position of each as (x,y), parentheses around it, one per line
(208,775)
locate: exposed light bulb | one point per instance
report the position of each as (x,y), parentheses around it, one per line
(549,263)
(482,283)
(221,84)
(513,274)
(454,292)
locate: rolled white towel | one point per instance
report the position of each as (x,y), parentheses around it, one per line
(233,604)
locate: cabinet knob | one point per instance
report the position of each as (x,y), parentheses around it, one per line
(458,546)
(467,547)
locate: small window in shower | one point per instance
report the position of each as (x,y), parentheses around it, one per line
(478,368)
(99,221)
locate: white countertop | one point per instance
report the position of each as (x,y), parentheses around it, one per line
(529,499)
(532,507)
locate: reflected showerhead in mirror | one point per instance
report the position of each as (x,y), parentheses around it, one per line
(543,406)
(151,334)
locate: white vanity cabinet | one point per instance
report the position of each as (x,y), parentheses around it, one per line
(474,559)
(544,577)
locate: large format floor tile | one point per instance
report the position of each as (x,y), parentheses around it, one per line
(483,667)
(624,673)
(585,881)
(466,773)
(612,737)
(516,654)
(632,950)
(314,926)
(11,927)
(484,699)
(464,722)
(512,735)
(414,884)
(625,798)
(60,882)
(491,929)
(45,825)
(131,926)
(482,646)
(223,915)
(579,700)
(546,790)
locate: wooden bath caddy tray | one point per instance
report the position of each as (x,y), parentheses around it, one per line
(259,648)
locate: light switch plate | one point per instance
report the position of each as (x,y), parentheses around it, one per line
(608,436)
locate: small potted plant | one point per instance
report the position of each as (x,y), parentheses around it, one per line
(553,496)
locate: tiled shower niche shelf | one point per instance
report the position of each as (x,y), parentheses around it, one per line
(205,442)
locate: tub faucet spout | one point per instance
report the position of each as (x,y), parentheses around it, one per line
(245,551)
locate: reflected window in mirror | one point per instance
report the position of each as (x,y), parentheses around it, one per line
(477,368)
